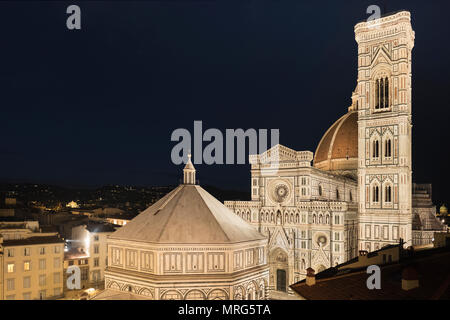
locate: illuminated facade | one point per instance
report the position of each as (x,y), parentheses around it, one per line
(31,267)
(309,215)
(92,237)
(361,173)
(384,130)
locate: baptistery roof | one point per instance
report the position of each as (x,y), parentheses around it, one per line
(338,148)
(188,215)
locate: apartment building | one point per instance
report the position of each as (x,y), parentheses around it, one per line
(91,238)
(31,267)
(77,257)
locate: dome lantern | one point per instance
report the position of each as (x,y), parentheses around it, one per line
(189,172)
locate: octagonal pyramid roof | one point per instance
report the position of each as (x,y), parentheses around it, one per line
(188,215)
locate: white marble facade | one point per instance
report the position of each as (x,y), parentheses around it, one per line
(309,215)
(357,194)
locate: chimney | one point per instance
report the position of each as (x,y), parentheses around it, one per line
(410,278)
(310,277)
(363,257)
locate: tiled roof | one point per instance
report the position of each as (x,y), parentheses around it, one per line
(100,227)
(33,241)
(434,281)
(75,254)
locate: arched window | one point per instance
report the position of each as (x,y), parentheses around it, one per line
(382,93)
(314,218)
(388,194)
(376,194)
(337,194)
(388,148)
(386,93)
(320,190)
(377,94)
(350,196)
(376,149)
(320,218)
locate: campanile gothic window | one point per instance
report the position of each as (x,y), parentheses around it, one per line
(388,194)
(376,149)
(388,148)
(382,93)
(376,194)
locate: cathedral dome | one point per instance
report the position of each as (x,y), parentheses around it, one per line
(338,149)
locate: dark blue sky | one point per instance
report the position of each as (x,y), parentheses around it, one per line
(98,106)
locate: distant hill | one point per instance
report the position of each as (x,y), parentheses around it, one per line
(224,195)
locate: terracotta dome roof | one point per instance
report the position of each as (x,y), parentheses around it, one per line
(338,148)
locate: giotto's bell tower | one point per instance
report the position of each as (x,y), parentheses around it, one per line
(384,130)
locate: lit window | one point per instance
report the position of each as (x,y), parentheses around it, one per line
(27,266)
(10,267)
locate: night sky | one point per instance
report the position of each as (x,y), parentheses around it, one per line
(97,106)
